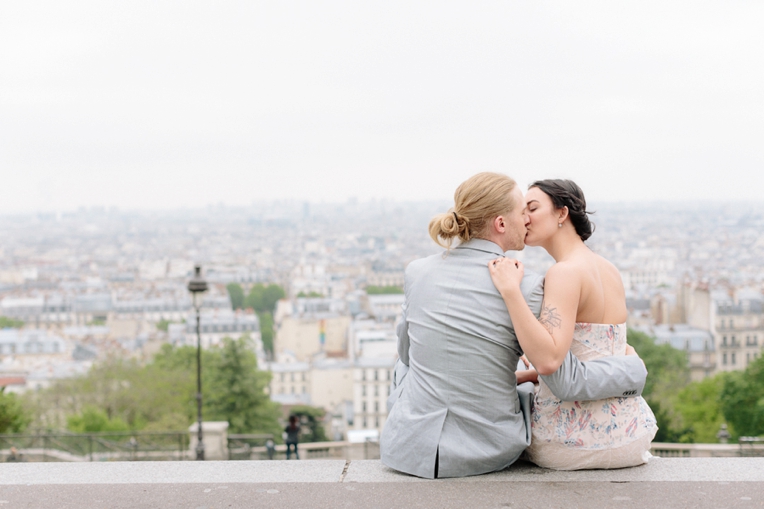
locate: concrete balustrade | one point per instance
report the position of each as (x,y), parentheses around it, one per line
(664,482)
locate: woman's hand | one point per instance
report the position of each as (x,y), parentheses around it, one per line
(506,273)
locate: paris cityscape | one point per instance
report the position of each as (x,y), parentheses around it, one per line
(80,287)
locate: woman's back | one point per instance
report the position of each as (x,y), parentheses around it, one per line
(602,299)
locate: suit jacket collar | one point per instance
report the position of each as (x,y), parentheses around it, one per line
(482,245)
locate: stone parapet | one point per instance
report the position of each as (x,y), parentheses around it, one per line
(664,482)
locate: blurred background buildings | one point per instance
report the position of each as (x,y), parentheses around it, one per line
(79,287)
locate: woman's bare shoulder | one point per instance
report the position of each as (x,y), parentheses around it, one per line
(565,270)
(606,265)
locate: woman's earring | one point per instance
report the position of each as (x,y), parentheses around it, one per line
(559,225)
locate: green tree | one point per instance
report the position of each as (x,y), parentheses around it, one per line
(266,331)
(163,324)
(263,298)
(236,292)
(742,400)
(93,420)
(237,391)
(380,290)
(311,418)
(310,295)
(10,323)
(254,299)
(668,373)
(271,295)
(161,395)
(14,418)
(122,389)
(699,405)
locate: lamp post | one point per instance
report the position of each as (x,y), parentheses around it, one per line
(197,286)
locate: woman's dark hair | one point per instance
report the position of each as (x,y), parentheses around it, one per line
(566,193)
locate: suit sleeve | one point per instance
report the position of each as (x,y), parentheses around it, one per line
(609,377)
(402,330)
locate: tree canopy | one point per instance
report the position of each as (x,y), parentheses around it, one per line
(10,323)
(668,373)
(381,290)
(310,418)
(742,400)
(14,418)
(161,395)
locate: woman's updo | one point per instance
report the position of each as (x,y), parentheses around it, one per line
(477,201)
(566,193)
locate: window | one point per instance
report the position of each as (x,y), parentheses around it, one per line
(364,422)
(747,358)
(363,375)
(724,359)
(722,325)
(363,407)
(363,390)
(291,377)
(376,407)
(734,360)
(376,422)
(724,340)
(303,377)
(388,375)
(376,390)
(376,375)
(282,377)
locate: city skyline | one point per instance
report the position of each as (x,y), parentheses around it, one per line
(162,106)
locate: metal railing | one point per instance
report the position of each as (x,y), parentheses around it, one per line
(746,446)
(108,446)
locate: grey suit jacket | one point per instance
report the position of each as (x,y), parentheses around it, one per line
(458,352)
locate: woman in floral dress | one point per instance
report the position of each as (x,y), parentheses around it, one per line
(584,311)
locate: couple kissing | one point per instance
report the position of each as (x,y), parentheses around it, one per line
(459,405)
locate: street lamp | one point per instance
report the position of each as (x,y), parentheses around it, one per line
(197,286)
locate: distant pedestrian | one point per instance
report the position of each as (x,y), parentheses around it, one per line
(292,436)
(270,448)
(14,456)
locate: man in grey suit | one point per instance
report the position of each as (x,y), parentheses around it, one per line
(455,407)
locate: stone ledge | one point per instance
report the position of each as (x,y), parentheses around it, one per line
(362,471)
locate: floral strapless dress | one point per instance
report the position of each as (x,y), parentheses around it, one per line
(607,433)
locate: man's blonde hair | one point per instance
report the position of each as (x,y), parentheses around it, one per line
(477,201)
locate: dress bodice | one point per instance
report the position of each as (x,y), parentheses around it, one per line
(597,340)
(606,433)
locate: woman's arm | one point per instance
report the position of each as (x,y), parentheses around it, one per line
(526,375)
(545,340)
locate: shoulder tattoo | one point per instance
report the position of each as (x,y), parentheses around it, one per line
(550,318)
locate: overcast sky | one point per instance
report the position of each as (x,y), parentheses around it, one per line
(165,104)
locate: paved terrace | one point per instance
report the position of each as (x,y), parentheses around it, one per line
(665,482)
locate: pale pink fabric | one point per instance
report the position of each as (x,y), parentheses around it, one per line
(607,433)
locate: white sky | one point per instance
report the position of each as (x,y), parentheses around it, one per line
(164,104)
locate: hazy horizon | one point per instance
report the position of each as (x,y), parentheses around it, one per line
(160,106)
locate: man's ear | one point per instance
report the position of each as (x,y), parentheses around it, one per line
(499,225)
